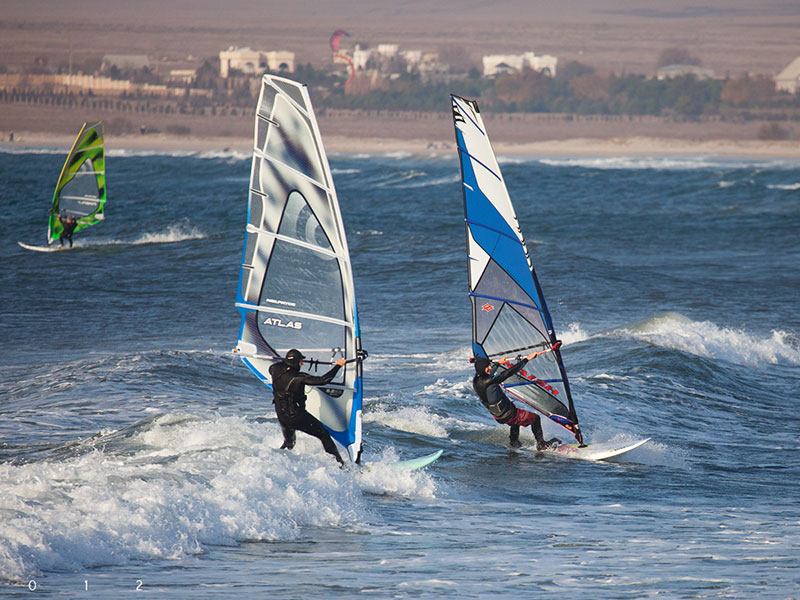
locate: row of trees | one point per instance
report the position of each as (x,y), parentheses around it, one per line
(578,89)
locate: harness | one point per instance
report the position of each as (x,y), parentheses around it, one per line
(502,409)
(287,404)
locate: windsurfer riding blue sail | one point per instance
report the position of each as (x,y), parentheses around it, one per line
(509,313)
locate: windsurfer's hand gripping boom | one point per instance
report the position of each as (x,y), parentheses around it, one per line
(555,346)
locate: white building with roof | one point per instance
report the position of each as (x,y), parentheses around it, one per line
(788,80)
(254,62)
(497,64)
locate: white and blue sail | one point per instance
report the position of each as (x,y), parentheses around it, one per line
(296,282)
(509,313)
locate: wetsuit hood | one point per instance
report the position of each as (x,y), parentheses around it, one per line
(481,364)
(293,357)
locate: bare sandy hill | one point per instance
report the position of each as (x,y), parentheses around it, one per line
(730,36)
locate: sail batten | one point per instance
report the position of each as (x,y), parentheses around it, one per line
(293,313)
(278,163)
(509,313)
(295,283)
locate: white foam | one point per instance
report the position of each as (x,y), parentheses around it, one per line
(707,339)
(174,233)
(228,155)
(177,232)
(681,163)
(179,484)
(788,187)
(573,335)
(413,419)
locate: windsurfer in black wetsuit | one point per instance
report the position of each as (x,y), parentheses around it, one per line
(288,390)
(503,410)
(68,223)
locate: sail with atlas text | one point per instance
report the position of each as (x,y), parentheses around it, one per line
(296,283)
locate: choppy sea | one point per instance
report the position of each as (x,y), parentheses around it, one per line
(136,454)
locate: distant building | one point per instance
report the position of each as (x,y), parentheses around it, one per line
(388,50)
(389,58)
(673,71)
(125,62)
(361,57)
(254,62)
(183,75)
(498,64)
(280,60)
(788,80)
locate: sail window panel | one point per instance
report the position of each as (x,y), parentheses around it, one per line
(300,222)
(509,333)
(301,279)
(536,396)
(317,340)
(322,205)
(496,282)
(293,143)
(512,259)
(79,196)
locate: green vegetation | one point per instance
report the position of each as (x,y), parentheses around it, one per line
(577,89)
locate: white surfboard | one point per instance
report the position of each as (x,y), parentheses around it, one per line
(412,464)
(601,451)
(53,248)
(417,463)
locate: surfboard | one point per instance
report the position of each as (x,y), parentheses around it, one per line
(595,452)
(417,463)
(53,248)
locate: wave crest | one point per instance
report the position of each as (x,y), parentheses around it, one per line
(707,339)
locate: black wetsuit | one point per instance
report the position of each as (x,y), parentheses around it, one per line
(68,226)
(492,396)
(288,390)
(503,410)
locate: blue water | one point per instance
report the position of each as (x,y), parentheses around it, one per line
(135,452)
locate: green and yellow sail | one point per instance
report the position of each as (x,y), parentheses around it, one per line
(81,188)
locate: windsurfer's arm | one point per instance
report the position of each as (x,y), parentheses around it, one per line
(323,379)
(510,371)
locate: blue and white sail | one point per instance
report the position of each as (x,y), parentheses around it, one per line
(509,313)
(296,282)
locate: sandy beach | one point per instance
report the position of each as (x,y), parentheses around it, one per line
(619,146)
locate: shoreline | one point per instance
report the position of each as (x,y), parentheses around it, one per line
(624,146)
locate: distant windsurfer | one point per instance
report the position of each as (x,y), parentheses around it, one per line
(503,410)
(288,389)
(68,223)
